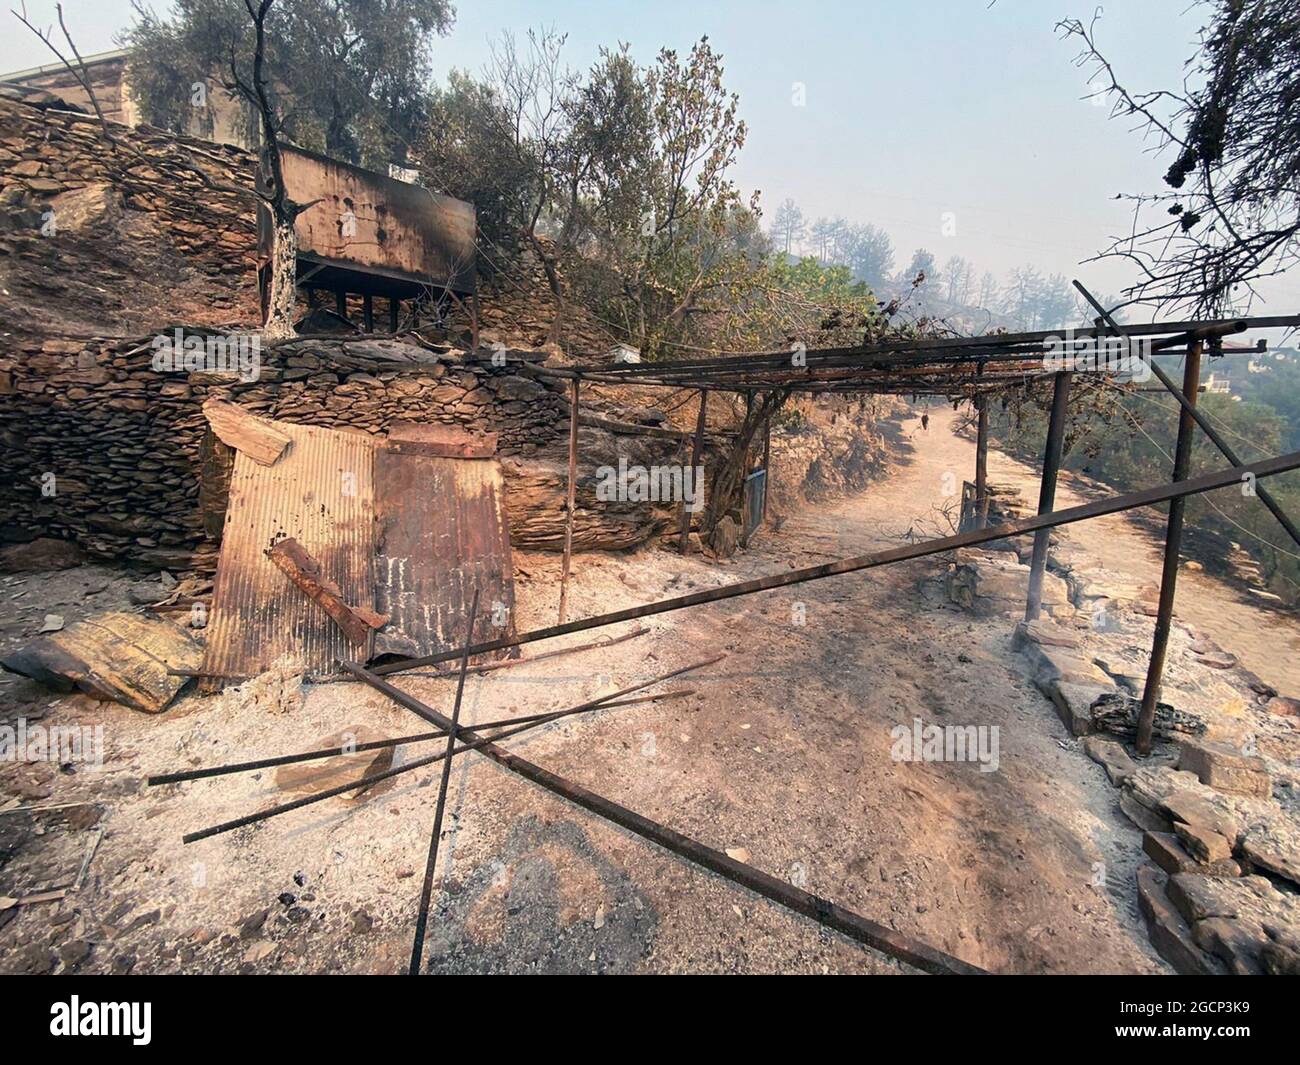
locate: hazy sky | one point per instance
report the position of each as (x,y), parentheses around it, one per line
(913,109)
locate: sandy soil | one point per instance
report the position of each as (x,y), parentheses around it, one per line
(784,750)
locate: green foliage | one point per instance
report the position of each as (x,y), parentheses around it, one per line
(348,77)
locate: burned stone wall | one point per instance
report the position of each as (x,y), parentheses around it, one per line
(103,237)
(103,448)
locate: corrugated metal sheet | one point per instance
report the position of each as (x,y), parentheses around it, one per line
(442,532)
(408,534)
(320,492)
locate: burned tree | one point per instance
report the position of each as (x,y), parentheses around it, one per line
(272,193)
(284,211)
(1230,214)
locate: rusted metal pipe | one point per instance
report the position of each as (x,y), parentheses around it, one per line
(453,734)
(1187,401)
(1047,492)
(397,741)
(419,763)
(697,448)
(1173,544)
(877,936)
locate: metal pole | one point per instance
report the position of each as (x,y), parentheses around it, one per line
(1096,509)
(982,462)
(568,510)
(1173,541)
(399,741)
(525,725)
(1047,492)
(696,448)
(1187,400)
(880,937)
(453,734)
(767,463)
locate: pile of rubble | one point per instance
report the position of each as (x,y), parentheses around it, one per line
(1222,891)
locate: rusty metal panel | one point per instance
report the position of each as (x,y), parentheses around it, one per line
(442,532)
(377,225)
(321,492)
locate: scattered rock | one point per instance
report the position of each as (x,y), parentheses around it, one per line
(1144,817)
(42,553)
(1274,846)
(1217,659)
(146,593)
(1111,756)
(1044,633)
(1202,843)
(1283,706)
(52,623)
(1168,931)
(1166,851)
(259,951)
(1074,702)
(1225,769)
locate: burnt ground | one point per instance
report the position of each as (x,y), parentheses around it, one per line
(783,750)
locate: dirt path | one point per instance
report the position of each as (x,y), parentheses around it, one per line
(785,751)
(1266,642)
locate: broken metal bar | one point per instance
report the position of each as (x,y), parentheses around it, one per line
(419,763)
(1047,492)
(877,936)
(570,498)
(377,745)
(296,563)
(1188,404)
(1095,509)
(453,734)
(1169,571)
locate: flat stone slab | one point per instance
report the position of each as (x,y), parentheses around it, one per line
(1168,852)
(1168,931)
(1274,847)
(1111,756)
(1243,922)
(1224,768)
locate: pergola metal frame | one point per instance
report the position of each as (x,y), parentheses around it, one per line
(970,367)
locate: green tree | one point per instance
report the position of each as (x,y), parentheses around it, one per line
(348,77)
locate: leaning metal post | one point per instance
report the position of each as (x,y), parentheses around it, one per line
(697,448)
(1047,492)
(1173,541)
(982,462)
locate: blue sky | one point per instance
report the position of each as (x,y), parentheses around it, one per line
(912,109)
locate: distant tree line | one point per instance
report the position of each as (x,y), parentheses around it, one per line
(1027,297)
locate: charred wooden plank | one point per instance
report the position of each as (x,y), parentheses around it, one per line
(258,438)
(122,657)
(296,563)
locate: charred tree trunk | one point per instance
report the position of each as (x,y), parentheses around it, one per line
(724,492)
(283,270)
